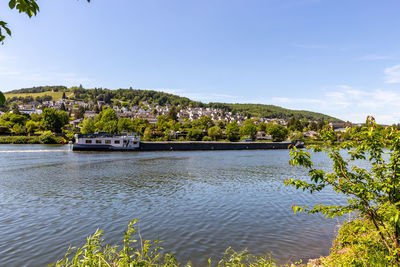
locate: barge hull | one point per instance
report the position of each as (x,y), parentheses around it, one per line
(190,146)
(201,145)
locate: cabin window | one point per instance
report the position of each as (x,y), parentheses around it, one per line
(116,141)
(98,141)
(88,141)
(125,141)
(108,141)
(135,142)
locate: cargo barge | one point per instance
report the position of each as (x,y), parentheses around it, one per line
(103,141)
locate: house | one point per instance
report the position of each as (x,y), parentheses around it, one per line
(76,123)
(89,114)
(310,134)
(261,135)
(31,111)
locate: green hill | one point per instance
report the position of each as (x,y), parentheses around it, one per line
(137,96)
(271,111)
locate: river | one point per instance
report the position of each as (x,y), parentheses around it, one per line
(200,203)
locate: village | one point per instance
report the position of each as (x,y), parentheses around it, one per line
(79,110)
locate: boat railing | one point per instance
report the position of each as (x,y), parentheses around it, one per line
(107,135)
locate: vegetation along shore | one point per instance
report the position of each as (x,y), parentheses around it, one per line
(372,237)
(156,116)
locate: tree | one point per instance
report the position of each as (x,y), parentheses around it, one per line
(2,97)
(194,134)
(15,110)
(248,129)
(148,134)
(232,131)
(294,124)
(54,120)
(313,126)
(278,132)
(373,192)
(111,127)
(214,132)
(80,113)
(173,113)
(31,126)
(125,124)
(88,126)
(204,122)
(108,115)
(62,107)
(18,129)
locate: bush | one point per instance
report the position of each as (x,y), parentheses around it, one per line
(49,138)
(357,244)
(138,252)
(19,140)
(207,138)
(194,134)
(373,192)
(278,132)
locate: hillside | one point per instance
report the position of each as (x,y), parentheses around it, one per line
(271,111)
(137,96)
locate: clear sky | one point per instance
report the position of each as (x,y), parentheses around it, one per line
(338,57)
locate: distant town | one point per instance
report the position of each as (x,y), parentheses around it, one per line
(88,110)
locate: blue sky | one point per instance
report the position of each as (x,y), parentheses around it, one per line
(337,57)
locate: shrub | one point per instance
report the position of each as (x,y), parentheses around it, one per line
(207,138)
(132,252)
(19,140)
(48,138)
(194,134)
(137,252)
(372,192)
(357,244)
(278,132)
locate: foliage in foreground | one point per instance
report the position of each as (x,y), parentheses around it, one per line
(373,192)
(137,252)
(357,244)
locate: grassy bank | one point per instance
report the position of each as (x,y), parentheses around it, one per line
(46,138)
(357,244)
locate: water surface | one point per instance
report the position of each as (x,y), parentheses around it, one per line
(200,203)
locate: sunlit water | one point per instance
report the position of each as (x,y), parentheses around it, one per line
(200,203)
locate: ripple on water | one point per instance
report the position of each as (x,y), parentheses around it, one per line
(200,203)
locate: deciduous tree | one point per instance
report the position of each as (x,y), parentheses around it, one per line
(373,192)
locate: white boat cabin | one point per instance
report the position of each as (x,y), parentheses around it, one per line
(102,139)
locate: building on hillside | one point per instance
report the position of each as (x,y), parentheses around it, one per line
(310,134)
(89,114)
(261,135)
(30,111)
(76,122)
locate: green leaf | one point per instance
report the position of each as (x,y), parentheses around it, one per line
(11,4)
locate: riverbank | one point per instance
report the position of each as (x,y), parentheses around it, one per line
(357,243)
(45,138)
(200,203)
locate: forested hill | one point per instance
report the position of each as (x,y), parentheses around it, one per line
(271,111)
(136,96)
